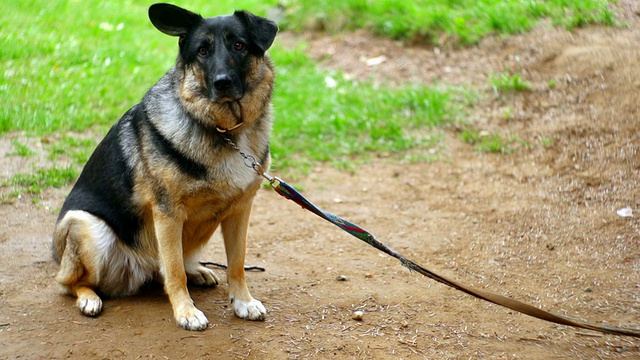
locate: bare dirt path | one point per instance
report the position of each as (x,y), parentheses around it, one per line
(538,225)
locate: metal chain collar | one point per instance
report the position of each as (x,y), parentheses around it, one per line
(251,161)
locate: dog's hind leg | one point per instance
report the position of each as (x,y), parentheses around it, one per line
(234,232)
(198,274)
(79,268)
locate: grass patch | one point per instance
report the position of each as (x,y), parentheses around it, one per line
(20,149)
(40,179)
(72,67)
(490,142)
(73,151)
(76,149)
(546,142)
(93,62)
(444,21)
(327,117)
(506,82)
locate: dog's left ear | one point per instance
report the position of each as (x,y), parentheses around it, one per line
(173,20)
(262,31)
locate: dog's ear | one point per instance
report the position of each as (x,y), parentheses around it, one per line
(262,31)
(172,20)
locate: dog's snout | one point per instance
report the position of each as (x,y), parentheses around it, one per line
(222,82)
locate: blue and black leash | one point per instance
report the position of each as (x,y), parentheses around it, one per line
(288,192)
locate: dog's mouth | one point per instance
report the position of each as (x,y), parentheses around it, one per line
(224,99)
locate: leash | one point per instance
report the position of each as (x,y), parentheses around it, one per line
(288,192)
(223,266)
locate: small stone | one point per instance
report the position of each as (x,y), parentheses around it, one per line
(357,315)
(625,212)
(341,278)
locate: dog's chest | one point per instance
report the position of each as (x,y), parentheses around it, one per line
(228,179)
(232,188)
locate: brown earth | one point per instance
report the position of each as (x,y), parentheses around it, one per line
(539,224)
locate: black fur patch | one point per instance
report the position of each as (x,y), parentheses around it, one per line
(105,187)
(186,165)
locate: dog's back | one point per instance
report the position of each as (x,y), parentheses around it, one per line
(105,186)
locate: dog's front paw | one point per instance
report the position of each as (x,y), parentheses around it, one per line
(192,319)
(202,276)
(252,310)
(90,305)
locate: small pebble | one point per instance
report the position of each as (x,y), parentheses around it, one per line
(357,315)
(341,278)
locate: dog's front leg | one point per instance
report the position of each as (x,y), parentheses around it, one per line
(234,231)
(169,236)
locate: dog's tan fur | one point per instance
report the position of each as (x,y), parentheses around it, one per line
(180,213)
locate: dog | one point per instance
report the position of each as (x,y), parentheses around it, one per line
(164,178)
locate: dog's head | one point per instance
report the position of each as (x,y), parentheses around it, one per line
(222,63)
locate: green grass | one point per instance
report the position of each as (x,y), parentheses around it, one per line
(506,83)
(335,119)
(21,149)
(34,183)
(488,142)
(66,154)
(445,21)
(75,149)
(74,67)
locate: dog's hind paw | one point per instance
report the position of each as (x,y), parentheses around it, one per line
(90,305)
(192,319)
(202,276)
(252,310)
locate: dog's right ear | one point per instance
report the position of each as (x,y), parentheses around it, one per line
(172,20)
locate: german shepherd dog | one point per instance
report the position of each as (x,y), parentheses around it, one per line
(163,179)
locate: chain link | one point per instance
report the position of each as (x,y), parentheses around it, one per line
(251,162)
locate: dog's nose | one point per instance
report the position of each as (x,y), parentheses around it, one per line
(222,82)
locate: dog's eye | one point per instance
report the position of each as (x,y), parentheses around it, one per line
(238,46)
(203,51)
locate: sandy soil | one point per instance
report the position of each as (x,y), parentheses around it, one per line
(539,224)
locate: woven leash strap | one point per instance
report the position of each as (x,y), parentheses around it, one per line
(292,194)
(287,191)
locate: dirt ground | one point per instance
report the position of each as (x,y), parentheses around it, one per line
(539,225)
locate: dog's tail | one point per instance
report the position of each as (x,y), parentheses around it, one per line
(59,240)
(65,251)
